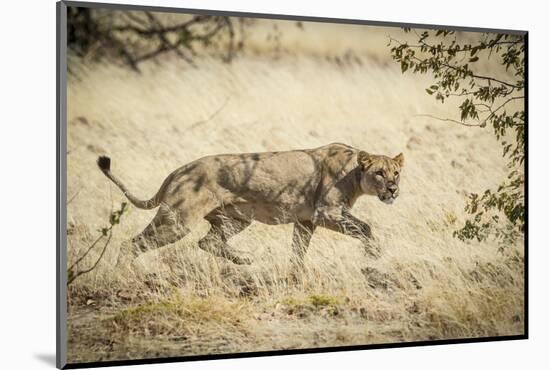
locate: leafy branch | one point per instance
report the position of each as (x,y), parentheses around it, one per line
(487,100)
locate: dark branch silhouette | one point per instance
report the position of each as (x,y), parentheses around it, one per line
(135,37)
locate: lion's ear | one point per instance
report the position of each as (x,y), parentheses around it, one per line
(400,159)
(364,159)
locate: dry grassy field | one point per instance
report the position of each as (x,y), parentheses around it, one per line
(319,84)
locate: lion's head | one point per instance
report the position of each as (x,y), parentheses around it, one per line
(380,175)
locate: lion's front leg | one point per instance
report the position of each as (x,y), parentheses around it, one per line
(340,220)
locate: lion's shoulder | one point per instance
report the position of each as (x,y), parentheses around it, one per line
(337,158)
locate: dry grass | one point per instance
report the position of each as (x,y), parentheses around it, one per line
(180,301)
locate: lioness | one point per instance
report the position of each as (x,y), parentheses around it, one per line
(310,188)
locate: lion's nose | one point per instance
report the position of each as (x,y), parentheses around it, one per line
(393,189)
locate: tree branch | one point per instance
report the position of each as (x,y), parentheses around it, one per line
(86,253)
(80,273)
(198,123)
(482,123)
(449,120)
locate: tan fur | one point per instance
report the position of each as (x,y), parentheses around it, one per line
(310,188)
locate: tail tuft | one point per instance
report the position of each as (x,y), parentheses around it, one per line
(104,163)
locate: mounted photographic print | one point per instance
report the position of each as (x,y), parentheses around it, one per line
(235,185)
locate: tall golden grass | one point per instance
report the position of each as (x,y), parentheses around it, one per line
(321,83)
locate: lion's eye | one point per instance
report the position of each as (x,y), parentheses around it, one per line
(396,174)
(379,173)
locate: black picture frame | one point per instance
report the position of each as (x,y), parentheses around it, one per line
(61,195)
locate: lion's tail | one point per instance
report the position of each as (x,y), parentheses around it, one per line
(104,164)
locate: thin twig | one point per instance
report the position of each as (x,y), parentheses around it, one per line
(473,75)
(449,120)
(74,196)
(135,19)
(86,253)
(158,30)
(480,124)
(483,77)
(198,123)
(460,50)
(230,45)
(80,273)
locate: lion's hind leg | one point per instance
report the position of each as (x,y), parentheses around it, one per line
(166,227)
(222,228)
